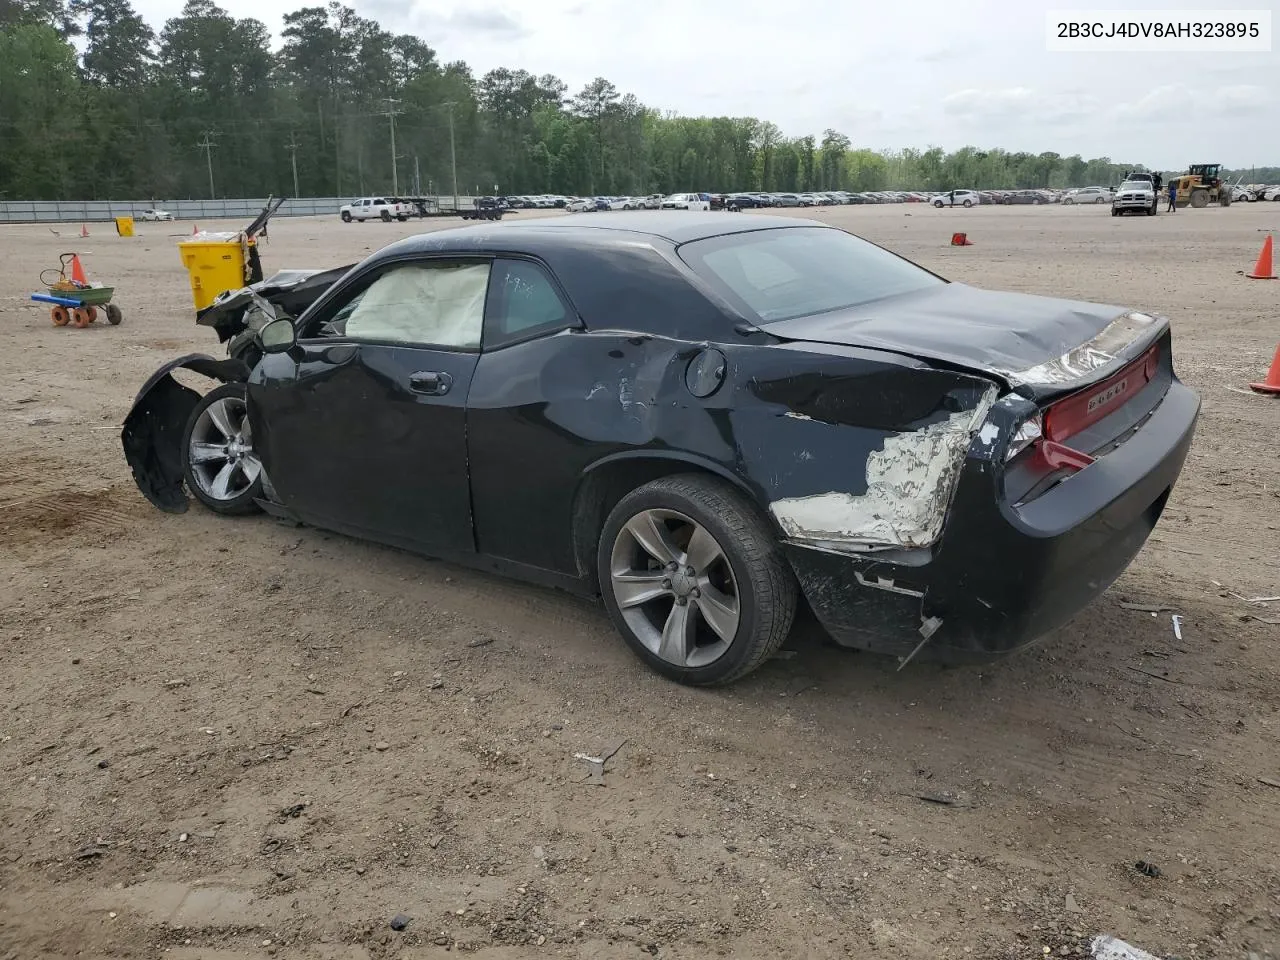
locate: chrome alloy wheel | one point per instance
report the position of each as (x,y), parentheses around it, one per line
(221,450)
(675,588)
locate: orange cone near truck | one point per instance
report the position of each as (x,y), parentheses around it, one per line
(1264,269)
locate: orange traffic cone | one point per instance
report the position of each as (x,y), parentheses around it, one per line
(84,230)
(961,240)
(1264,269)
(77,271)
(1272,383)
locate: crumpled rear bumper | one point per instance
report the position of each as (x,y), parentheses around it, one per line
(1004,576)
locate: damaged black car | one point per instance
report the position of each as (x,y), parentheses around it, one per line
(705,422)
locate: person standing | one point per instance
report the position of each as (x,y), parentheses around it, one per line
(1173,196)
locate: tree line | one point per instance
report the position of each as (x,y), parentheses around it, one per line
(207,107)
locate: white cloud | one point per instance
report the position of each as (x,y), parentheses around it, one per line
(1018,105)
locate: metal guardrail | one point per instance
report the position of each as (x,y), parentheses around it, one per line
(94,211)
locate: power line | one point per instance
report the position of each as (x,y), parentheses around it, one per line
(390,113)
(453,157)
(207,146)
(293,157)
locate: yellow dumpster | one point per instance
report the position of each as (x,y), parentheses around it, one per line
(214,266)
(124,226)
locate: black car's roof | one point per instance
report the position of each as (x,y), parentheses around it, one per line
(676,226)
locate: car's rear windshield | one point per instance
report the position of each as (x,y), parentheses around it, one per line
(780,274)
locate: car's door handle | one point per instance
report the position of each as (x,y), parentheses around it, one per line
(430,382)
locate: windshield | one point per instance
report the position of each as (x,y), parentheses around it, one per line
(1136,185)
(780,274)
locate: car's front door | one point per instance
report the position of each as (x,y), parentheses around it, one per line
(362,425)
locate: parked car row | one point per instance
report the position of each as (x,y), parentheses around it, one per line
(1253,192)
(752,200)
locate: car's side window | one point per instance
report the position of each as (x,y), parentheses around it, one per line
(424,303)
(523,301)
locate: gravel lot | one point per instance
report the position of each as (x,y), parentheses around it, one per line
(229,739)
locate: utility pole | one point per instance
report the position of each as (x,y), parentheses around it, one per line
(390,113)
(207,146)
(453,156)
(293,155)
(417,179)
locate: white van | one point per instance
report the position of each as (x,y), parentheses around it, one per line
(686,201)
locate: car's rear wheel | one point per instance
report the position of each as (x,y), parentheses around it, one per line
(968,203)
(694,579)
(218,460)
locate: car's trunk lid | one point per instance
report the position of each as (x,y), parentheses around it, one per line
(1039,346)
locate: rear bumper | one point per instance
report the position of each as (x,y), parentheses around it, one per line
(1003,576)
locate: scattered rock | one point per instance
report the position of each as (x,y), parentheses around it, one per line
(103,764)
(1148,869)
(1072,906)
(400,921)
(382,745)
(292,812)
(182,838)
(435,841)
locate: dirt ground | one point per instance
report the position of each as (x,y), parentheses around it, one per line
(236,739)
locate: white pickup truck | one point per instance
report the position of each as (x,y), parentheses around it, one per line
(374,208)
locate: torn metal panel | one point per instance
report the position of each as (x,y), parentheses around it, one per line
(1120,339)
(909,483)
(152,431)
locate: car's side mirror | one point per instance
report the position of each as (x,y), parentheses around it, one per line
(278,336)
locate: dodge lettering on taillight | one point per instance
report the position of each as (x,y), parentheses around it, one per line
(1103,397)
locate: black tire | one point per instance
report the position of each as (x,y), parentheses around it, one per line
(968,203)
(939,204)
(346,216)
(402,219)
(1151,211)
(114,314)
(765,585)
(1115,212)
(239,505)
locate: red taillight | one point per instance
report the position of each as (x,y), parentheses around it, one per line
(1081,410)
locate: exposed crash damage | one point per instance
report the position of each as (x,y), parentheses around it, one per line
(153,430)
(909,485)
(701,421)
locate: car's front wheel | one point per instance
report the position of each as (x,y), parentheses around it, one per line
(218,460)
(346,216)
(694,579)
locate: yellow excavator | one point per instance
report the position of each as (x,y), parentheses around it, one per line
(1202,185)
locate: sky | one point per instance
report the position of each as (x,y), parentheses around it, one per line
(926,73)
